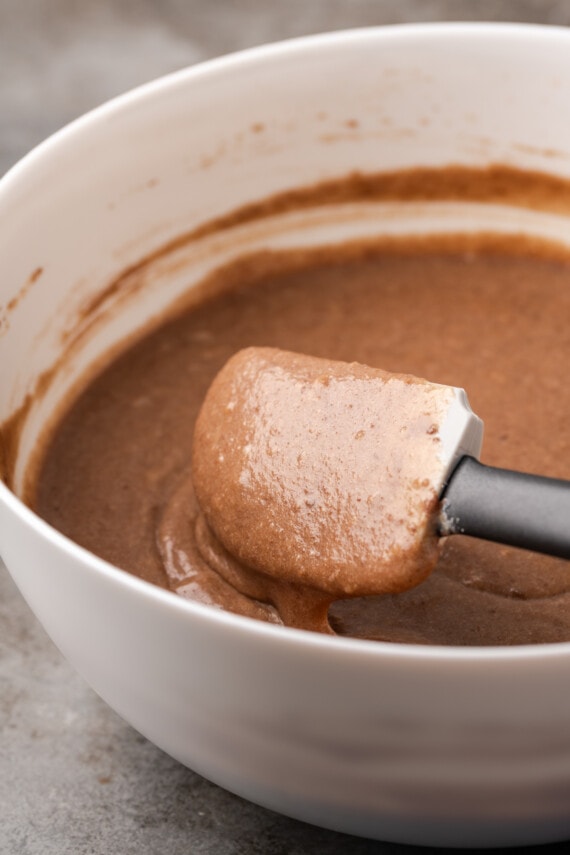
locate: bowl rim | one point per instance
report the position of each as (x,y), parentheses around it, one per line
(144,95)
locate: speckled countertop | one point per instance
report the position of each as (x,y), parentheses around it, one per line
(74,778)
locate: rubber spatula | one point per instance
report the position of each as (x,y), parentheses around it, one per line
(323,416)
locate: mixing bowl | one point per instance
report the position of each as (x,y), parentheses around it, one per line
(104,227)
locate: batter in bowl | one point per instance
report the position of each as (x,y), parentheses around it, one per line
(485,314)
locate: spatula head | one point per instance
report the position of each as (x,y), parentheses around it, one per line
(326,473)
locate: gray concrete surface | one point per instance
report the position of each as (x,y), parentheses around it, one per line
(74,778)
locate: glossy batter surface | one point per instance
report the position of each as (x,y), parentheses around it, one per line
(117,473)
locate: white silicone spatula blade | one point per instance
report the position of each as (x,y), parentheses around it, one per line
(460,432)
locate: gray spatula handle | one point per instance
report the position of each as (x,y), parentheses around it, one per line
(507,507)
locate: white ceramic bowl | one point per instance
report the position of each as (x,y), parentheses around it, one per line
(413,744)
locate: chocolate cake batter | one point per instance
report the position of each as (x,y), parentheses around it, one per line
(488,316)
